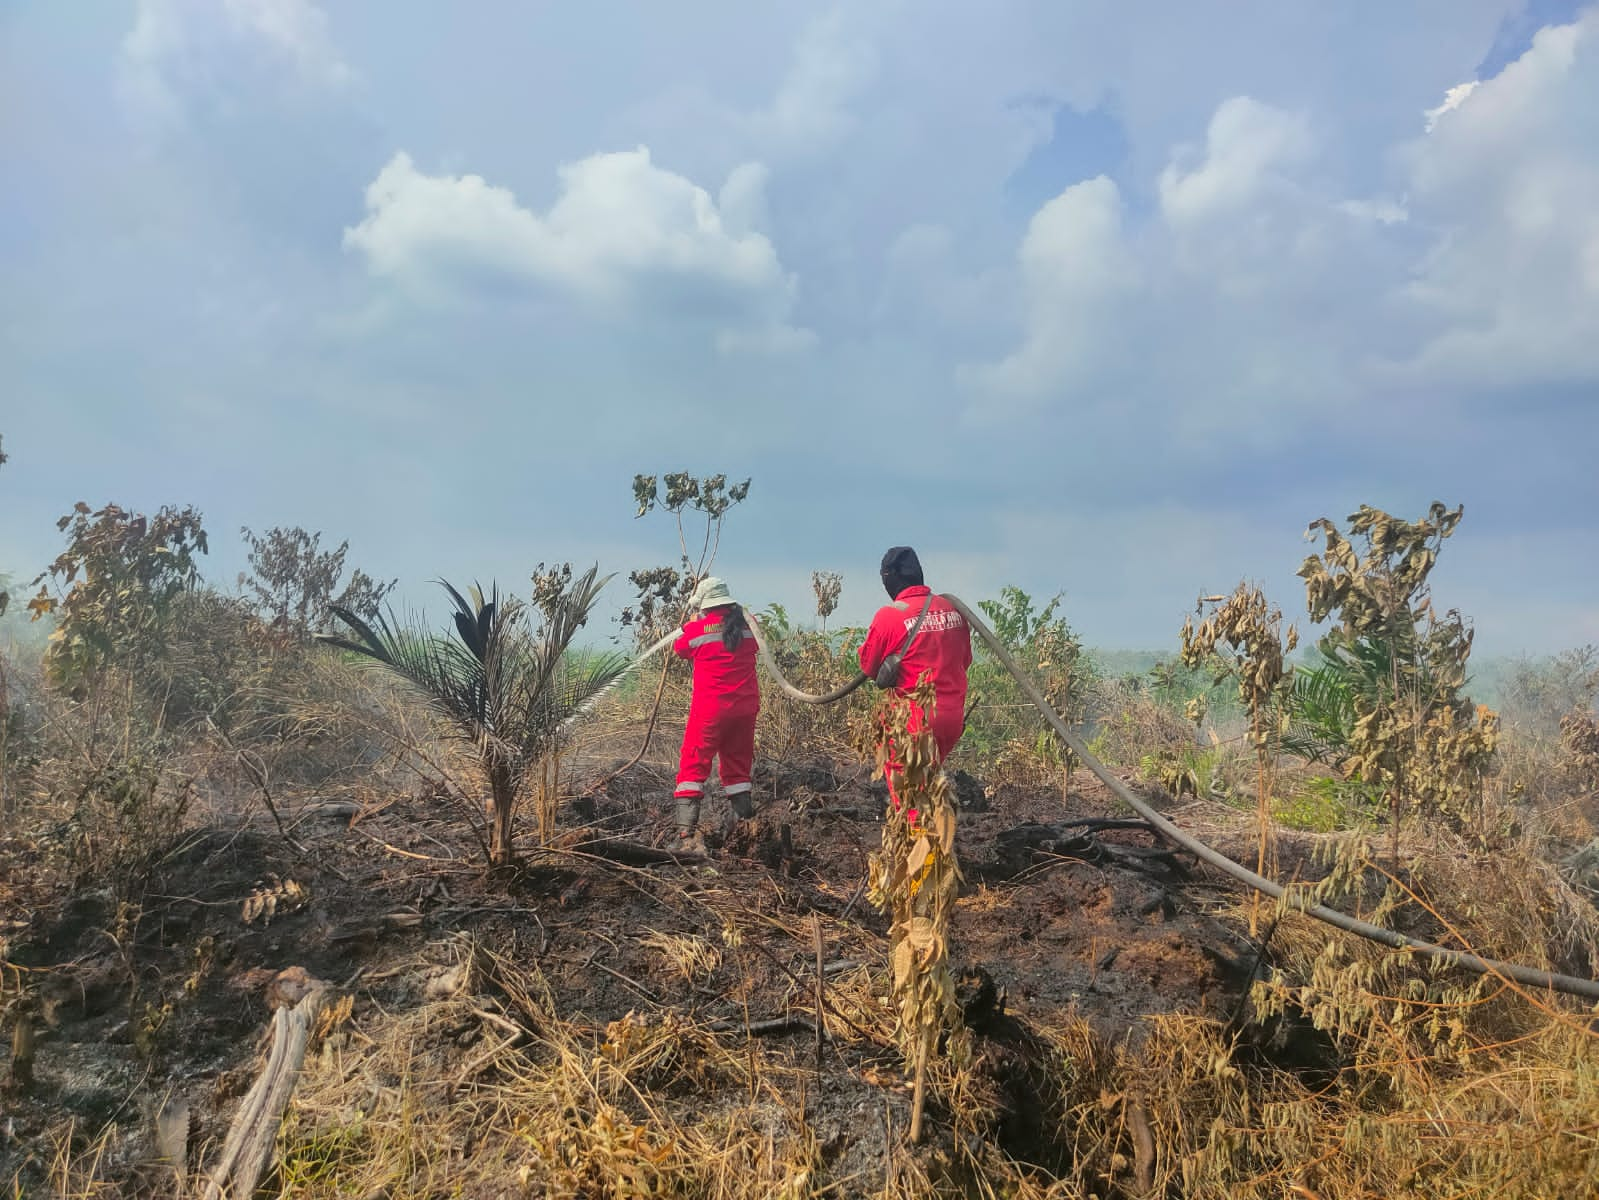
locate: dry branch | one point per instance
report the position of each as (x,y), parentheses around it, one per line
(1143,1148)
(792,1023)
(821,987)
(254,1131)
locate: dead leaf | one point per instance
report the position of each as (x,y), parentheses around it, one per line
(917,858)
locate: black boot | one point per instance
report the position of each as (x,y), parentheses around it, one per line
(689,840)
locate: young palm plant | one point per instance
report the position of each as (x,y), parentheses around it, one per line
(499,684)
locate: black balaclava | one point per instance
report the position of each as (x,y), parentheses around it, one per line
(901,569)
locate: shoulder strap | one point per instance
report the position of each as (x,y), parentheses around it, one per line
(916,626)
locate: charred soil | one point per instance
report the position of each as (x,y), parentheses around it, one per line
(155,1001)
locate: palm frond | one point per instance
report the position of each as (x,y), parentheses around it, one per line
(431,665)
(500,686)
(1321,714)
(474,619)
(580,682)
(494,679)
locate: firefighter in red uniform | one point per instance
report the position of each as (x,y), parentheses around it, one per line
(721,714)
(939,645)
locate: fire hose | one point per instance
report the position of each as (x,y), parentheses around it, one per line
(788,689)
(1531,977)
(621,675)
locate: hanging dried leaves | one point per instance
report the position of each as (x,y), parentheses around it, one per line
(1579,738)
(1414,736)
(1251,631)
(915,876)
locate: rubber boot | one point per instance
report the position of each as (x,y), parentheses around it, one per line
(689,840)
(742,804)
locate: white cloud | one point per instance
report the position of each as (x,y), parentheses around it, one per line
(621,232)
(810,111)
(742,199)
(1453,99)
(179,50)
(799,104)
(1508,183)
(1243,218)
(1249,147)
(1075,270)
(1196,296)
(1255,288)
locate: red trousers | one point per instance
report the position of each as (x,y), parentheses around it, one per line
(729,738)
(946,732)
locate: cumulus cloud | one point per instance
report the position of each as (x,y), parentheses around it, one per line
(1075,270)
(1249,149)
(1453,99)
(811,110)
(742,199)
(1240,219)
(1507,181)
(181,50)
(622,232)
(1197,299)
(1254,284)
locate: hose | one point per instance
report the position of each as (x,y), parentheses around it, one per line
(1530,976)
(788,689)
(1571,985)
(621,675)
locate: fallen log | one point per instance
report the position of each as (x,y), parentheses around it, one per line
(1017,848)
(247,1150)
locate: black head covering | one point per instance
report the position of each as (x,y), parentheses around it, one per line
(901,569)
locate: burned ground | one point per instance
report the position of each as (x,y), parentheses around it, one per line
(161,995)
(602,1020)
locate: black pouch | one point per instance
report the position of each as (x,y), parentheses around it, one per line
(888,673)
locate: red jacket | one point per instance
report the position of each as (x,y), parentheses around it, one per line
(724,680)
(942,648)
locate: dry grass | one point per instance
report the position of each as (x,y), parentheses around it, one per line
(1424,1084)
(692,957)
(473,1082)
(1420,1083)
(537,1105)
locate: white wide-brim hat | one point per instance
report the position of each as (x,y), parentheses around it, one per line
(710,593)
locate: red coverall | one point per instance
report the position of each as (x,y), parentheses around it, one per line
(942,648)
(722,710)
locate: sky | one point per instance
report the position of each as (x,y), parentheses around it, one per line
(1068,294)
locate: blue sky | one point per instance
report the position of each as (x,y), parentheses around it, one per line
(1074,295)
